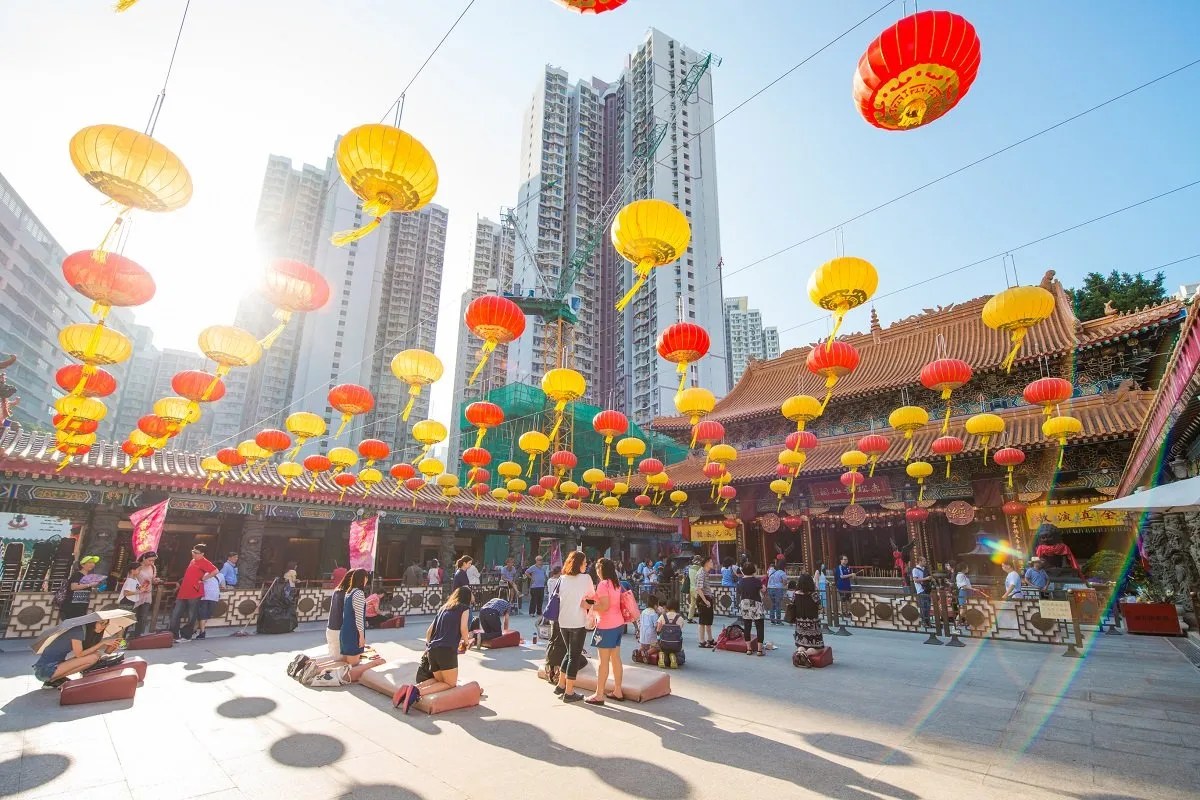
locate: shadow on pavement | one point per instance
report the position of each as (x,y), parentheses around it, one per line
(40,707)
(209,676)
(30,771)
(307,750)
(379,791)
(856,748)
(247,707)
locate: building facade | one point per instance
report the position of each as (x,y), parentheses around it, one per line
(745,337)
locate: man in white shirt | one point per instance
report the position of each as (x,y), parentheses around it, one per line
(920,576)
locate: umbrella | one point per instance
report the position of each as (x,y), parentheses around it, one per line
(1178,496)
(118,620)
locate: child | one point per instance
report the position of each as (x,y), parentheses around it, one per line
(648,631)
(670,636)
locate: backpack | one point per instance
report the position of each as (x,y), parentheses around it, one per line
(670,638)
(629,607)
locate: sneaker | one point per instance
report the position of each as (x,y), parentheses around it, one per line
(414,694)
(662,659)
(573,697)
(54,684)
(181,640)
(298,663)
(672,661)
(200,635)
(560,690)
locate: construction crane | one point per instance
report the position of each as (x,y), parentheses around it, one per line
(551,301)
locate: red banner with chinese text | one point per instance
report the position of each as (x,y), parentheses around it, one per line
(833,493)
(148,528)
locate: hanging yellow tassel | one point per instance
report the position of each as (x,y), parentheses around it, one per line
(1062,450)
(487,349)
(273,336)
(377,208)
(413,391)
(779,505)
(221,372)
(63,464)
(607,450)
(286,485)
(124,5)
(345,421)
(825,402)
(1010,478)
(838,316)
(908,453)
(529,470)
(100,310)
(871,472)
(642,270)
(921,493)
(984,440)
(946,419)
(100,255)
(682,370)
(210,480)
(313,485)
(694,442)
(948,465)
(558,419)
(479,437)
(1018,336)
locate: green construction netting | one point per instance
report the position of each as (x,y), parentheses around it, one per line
(526,408)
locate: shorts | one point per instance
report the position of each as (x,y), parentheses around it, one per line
(608,638)
(704,613)
(436,659)
(45,672)
(206,608)
(333,642)
(491,623)
(348,639)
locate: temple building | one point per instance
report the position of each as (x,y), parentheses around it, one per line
(1115,364)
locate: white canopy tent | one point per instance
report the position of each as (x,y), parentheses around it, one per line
(1170,497)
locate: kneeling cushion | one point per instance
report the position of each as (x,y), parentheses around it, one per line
(734,645)
(822,658)
(388,678)
(134,663)
(637,683)
(464,696)
(506,639)
(395,622)
(120,685)
(151,641)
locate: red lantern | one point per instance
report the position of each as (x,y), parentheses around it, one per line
(591,6)
(563,461)
(604,485)
(608,424)
(537,491)
(916,70)
(85,381)
(414,485)
(682,344)
(135,451)
(1013,508)
(783,471)
(484,415)
(851,480)
(478,475)
(548,482)
(476,457)
(116,281)
(948,446)
(1011,458)
(916,515)
(350,399)
(496,320)
(479,488)
(156,427)
(1047,393)
(730,523)
(292,287)
(726,493)
(230,457)
(793,522)
(945,375)
(402,471)
(316,464)
(76,425)
(713,470)
(581,492)
(874,445)
(801,440)
(571,504)
(345,480)
(708,432)
(650,466)
(832,361)
(198,386)
(273,440)
(373,450)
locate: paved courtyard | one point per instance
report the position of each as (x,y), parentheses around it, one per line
(893,718)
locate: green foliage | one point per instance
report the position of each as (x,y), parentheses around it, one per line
(1154,592)
(1126,292)
(1108,564)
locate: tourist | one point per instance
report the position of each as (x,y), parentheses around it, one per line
(191,592)
(1036,575)
(277,613)
(647,629)
(845,583)
(822,579)
(609,630)
(920,579)
(147,578)
(550,631)
(702,591)
(473,576)
(80,586)
(806,607)
(335,577)
(204,611)
(438,670)
(537,586)
(750,606)
(71,652)
(508,582)
(375,615)
(574,591)
(962,582)
(461,578)
(729,574)
(414,576)
(352,637)
(130,588)
(333,628)
(435,573)
(693,576)
(1012,582)
(776,589)
(492,622)
(229,571)
(670,635)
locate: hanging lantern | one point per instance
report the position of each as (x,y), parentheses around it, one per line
(477,475)
(620,489)
(801,409)
(198,386)
(402,472)
(642,501)
(1061,428)
(72,445)
(342,459)
(851,480)
(708,432)
(373,450)
(345,480)
(723,453)
(75,379)
(593,476)
(730,523)
(73,407)
(658,482)
(415,485)
(916,70)
(179,412)
(273,441)
(428,432)
(289,471)
(678,498)
(610,424)
(985,426)
(484,415)
(229,347)
(230,457)
(538,492)
(213,468)
(715,472)
(94,345)
(62,422)
(794,522)
(841,285)
(533,444)
(495,319)
(874,445)
(562,386)
(648,234)
(945,375)
(1048,393)
(920,470)
(570,489)
(548,482)
(726,493)
(833,361)
(351,400)
(610,502)
(805,440)
(304,425)
(476,457)
(1014,508)
(916,515)
(513,498)
(508,469)
(1014,311)
(604,486)
(499,494)
(564,461)
(112,281)
(783,471)
(908,419)
(793,460)
(417,368)
(479,490)
(155,427)
(630,448)
(370,478)
(388,170)
(572,504)
(948,446)
(252,453)
(431,468)
(450,492)
(316,464)
(293,288)
(132,169)
(694,403)
(648,467)
(583,6)
(1011,458)
(683,343)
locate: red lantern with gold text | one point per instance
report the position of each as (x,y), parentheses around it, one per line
(484,415)
(726,493)
(316,464)
(198,386)
(67,424)
(832,361)
(75,379)
(683,343)
(916,70)
(609,424)
(116,281)
(944,376)
(1048,393)
(916,515)
(851,480)
(373,450)
(293,288)
(1010,458)
(351,400)
(874,445)
(564,461)
(497,320)
(948,446)
(1013,508)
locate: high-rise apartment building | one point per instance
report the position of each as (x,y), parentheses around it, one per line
(745,337)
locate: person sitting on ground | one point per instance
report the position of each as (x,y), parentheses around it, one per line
(74,651)
(352,637)
(376,617)
(493,620)
(438,670)
(806,607)
(670,635)
(647,630)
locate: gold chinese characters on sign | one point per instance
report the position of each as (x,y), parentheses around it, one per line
(712,532)
(1072,515)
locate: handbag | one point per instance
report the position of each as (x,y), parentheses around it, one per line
(550,612)
(629,607)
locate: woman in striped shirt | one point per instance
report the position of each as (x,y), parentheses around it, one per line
(702,588)
(353,634)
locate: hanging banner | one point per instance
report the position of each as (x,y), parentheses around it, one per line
(148,527)
(364,534)
(833,493)
(712,532)
(1073,515)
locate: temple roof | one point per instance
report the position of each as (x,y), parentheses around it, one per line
(34,454)
(892,357)
(1108,416)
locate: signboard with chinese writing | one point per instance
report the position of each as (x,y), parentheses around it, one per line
(1055,609)
(833,493)
(1073,515)
(1085,605)
(32,528)
(712,532)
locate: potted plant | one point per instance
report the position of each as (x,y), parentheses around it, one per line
(1154,612)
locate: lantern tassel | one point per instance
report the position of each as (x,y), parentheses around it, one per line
(123,5)
(413,391)
(100,255)
(853,493)
(1062,450)
(208,482)
(779,505)
(292,453)
(312,486)
(1018,337)
(63,464)
(825,402)
(921,492)
(529,469)
(948,466)
(208,390)
(343,238)
(642,270)
(345,422)
(286,485)
(838,316)
(607,450)
(874,461)
(487,349)
(694,443)
(479,436)
(985,450)
(273,336)
(908,453)
(946,420)
(558,420)
(682,370)
(1010,477)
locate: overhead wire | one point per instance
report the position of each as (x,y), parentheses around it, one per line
(400,100)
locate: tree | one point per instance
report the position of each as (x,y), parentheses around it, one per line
(1126,292)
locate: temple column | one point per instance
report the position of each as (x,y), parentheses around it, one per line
(250,551)
(1181,575)
(516,545)
(101,539)
(446,551)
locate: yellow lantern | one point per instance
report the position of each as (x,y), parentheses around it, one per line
(516,485)
(801,409)
(303,425)
(1061,428)
(143,444)
(94,345)
(499,494)
(649,234)
(854,459)
(678,497)
(508,469)
(249,449)
(610,502)
(620,489)
(71,445)
(450,492)
(630,448)
(431,468)
(417,368)
(568,488)
(213,468)
(177,412)
(656,482)
(593,475)
(229,347)
(533,443)
(370,478)
(388,169)
(428,432)
(85,408)
(722,453)
(920,470)
(794,460)
(131,168)
(342,458)
(840,285)
(289,471)
(694,403)
(447,480)
(908,419)
(1014,311)
(562,386)
(781,488)
(985,426)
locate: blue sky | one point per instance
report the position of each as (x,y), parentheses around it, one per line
(286,76)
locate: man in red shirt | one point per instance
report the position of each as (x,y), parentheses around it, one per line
(191,591)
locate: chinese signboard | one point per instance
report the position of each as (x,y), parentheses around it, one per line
(1072,515)
(32,528)
(1055,609)
(832,492)
(712,532)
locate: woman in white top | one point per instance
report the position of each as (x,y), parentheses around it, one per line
(573,588)
(147,577)
(1012,582)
